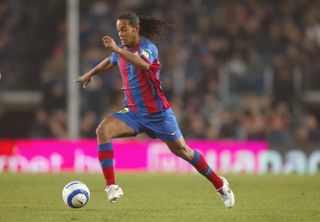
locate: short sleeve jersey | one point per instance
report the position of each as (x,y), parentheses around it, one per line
(142,89)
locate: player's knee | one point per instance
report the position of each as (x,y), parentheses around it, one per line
(183,152)
(178,152)
(102,131)
(99,130)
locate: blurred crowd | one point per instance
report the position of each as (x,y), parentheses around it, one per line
(8,28)
(264,48)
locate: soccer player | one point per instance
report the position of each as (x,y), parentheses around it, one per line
(145,107)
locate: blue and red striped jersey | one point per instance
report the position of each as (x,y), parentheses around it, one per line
(142,89)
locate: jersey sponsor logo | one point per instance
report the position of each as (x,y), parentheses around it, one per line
(125,110)
(149,51)
(145,53)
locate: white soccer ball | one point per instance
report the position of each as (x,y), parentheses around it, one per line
(76,194)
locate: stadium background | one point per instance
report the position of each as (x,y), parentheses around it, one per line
(243,70)
(239,71)
(236,70)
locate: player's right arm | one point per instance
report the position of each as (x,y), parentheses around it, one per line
(104,65)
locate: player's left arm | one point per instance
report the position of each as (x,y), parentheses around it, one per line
(132,58)
(149,53)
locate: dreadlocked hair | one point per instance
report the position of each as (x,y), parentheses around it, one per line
(150,27)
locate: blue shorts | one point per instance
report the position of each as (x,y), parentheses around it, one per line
(162,125)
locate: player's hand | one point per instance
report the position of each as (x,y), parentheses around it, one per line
(108,42)
(85,79)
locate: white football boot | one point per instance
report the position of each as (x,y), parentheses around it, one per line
(114,193)
(227,196)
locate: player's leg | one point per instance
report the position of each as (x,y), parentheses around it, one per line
(165,127)
(110,128)
(181,149)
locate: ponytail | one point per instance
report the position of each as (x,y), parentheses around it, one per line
(150,27)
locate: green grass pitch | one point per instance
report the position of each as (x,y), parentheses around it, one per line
(161,197)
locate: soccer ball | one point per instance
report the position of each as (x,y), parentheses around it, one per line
(76,194)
